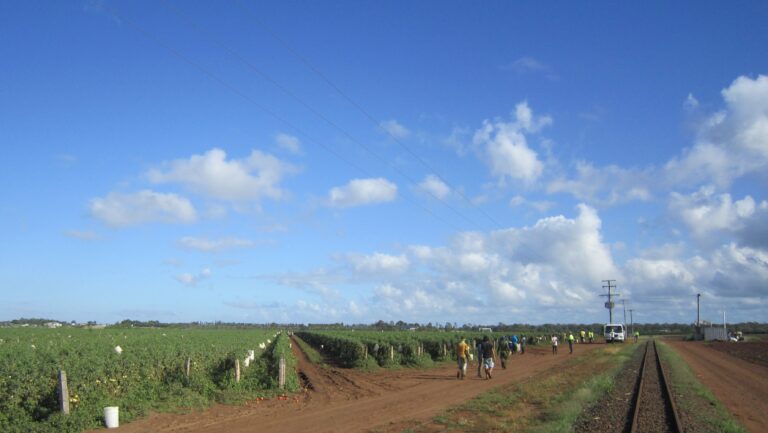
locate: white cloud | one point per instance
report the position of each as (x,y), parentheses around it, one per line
(212,175)
(119,210)
(214,246)
(691,103)
(607,185)
(540,205)
(378,263)
(435,187)
(288,142)
(704,211)
(526,65)
(732,142)
(360,192)
(505,147)
(193,280)
(395,129)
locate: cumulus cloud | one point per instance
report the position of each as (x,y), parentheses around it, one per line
(607,185)
(395,129)
(119,210)
(214,245)
(732,142)
(211,174)
(435,187)
(539,205)
(378,263)
(288,142)
(505,146)
(193,279)
(728,272)
(478,275)
(359,192)
(704,211)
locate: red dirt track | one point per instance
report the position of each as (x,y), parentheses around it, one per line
(350,401)
(740,385)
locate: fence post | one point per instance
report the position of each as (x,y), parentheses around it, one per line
(237,370)
(391,352)
(186,367)
(281,372)
(63,393)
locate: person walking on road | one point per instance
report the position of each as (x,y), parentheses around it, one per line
(503,352)
(637,335)
(554,344)
(570,342)
(489,355)
(522,344)
(583,334)
(591,337)
(463,357)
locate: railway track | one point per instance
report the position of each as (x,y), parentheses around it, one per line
(654,409)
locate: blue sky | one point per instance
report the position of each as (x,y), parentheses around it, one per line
(355,161)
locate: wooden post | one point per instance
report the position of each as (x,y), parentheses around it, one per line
(281,372)
(186,367)
(63,393)
(391,352)
(365,351)
(237,370)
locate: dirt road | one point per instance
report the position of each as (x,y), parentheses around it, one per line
(742,386)
(350,401)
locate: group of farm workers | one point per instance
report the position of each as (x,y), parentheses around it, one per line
(583,336)
(486,354)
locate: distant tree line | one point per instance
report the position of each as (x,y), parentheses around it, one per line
(381,325)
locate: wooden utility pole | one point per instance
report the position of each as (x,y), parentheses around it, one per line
(631,321)
(609,305)
(63,393)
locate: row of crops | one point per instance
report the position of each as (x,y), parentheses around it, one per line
(365,349)
(137,370)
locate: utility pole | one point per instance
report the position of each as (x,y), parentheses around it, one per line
(631,321)
(609,305)
(698,320)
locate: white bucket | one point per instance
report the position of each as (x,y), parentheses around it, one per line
(112,417)
(252,354)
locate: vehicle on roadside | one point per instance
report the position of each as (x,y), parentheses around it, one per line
(614,332)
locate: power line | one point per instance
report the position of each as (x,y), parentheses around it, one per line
(136,27)
(183,17)
(359,107)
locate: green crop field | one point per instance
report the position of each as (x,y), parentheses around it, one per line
(148,374)
(389,349)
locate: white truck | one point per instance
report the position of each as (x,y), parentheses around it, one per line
(613,332)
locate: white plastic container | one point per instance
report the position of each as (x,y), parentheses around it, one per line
(112,417)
